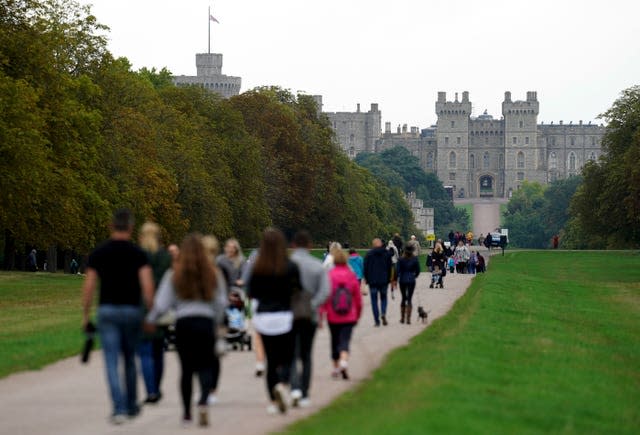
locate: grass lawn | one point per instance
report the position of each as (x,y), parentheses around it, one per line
(546,342)
(40,317)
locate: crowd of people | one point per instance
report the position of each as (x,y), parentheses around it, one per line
(287,294)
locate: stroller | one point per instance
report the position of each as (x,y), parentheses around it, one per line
(237,336)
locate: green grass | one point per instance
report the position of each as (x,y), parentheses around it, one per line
(503,209)
(40,319)
(546,342)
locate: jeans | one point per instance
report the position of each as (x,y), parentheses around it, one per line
(120,329)
(374,291)
(303,331)
(151,353)
(406,291)
(340,338)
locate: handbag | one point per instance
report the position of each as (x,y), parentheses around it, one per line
(301,305)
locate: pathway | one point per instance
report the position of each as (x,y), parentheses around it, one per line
(69,398)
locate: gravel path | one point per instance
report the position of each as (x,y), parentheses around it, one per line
(70,398)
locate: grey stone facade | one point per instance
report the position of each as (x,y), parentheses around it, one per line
(422,216)
(209,76)
(482,156)
(356,131)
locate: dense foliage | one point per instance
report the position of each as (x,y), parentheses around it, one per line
(399,168)
(606,208)
(536,213)
(81,134)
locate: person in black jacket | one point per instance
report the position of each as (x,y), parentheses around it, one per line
(377,274)
(438,258)
(408,271)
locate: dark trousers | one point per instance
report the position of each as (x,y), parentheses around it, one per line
(406,291)
(279,352)
(303,334)
(195,342)
(340,338)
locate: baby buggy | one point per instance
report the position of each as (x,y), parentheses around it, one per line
(237,336)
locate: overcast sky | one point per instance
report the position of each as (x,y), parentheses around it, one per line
(578,55)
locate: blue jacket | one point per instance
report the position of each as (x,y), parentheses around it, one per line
(356,264)
(377,267)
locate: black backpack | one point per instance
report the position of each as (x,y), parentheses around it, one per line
(341,300)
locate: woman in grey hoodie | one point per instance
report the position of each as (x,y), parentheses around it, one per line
(198,295)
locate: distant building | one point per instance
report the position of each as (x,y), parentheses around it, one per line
(209,76)
(480,156)
(422,216)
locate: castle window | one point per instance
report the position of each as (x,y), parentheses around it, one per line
(430,160)
(573,140)
(486,161)
(572,161)
(501,161)
(446,140)
(592,156)
(520,176)
(526,140)
(458,140)
(553,161)
(486,141)
(472,161)
(351,138)
(593,141)
(515,140)
(520,160)
(520,124)
(452,159)
(453,124)
(553,140)
(452,176)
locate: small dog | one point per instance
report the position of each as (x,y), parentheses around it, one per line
(422,314)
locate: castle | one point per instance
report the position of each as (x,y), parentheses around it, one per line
(479,156)
(209,76)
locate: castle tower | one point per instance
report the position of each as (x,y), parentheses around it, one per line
(452,140)
(209,76)
(522,155)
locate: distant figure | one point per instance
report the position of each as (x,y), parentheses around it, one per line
(74,266)
(481,240)
(126,281)
(328,259)
(377,270)
(32,262)
(397,240)
(481,262)
(415,245)
(356,263)
(555,240)
(488,240)
(408,271)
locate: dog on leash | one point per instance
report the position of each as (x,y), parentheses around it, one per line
(422,314)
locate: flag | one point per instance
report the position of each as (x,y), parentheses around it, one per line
(212,18)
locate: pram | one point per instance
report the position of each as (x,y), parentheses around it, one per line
(237,336)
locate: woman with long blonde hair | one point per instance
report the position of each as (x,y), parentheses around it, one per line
(198,295)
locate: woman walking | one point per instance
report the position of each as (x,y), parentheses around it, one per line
(408,271)
(438,258)
(198,295)
(342,309)
(273,281)
(232,261)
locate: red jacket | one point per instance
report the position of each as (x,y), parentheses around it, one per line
(342,275)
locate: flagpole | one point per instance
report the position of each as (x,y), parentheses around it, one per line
(209,33)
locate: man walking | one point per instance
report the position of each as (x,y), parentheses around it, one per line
(125,278)
(377,274)
(315,285)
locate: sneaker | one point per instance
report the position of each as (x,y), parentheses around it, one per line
(118,419)
(152,399)
(377,324)
(212,399)
(296,395)
(384,320)
(431,285)
(259,369)
(335,373)
(281,396)
(203,416)
(344,373)
(133,413)
(304,402)
(272,409)
(186,422)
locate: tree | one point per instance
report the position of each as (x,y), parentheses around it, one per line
(605,211)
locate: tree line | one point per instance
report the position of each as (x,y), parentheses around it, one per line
(81,134)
